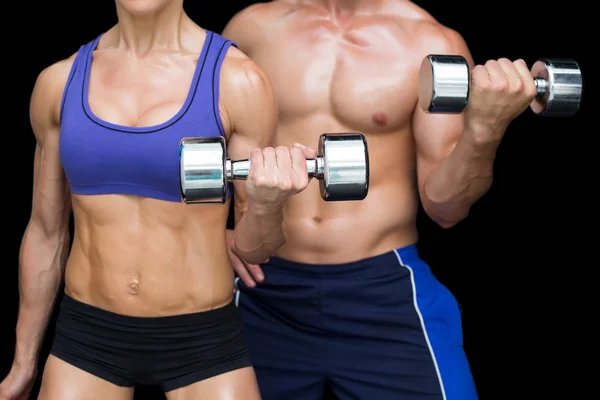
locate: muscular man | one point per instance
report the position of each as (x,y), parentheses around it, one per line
(149,283)
(347,298)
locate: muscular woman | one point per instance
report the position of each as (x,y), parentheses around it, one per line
(347,299)
(148,281)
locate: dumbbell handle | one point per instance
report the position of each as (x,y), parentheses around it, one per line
(542,86)
(240,169)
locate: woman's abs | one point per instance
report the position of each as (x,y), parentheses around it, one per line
(144,257)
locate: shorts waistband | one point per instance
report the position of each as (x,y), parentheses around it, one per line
(403,255)
(71,305)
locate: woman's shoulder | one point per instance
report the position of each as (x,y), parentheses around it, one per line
(49,87)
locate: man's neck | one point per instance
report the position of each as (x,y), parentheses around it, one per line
(344,7)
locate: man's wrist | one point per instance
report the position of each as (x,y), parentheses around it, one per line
(483,137)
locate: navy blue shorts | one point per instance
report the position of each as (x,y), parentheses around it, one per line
(377,329)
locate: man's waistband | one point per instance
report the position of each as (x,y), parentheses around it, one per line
(402,256)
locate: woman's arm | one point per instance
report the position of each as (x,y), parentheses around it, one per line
(44,247)
(251,113)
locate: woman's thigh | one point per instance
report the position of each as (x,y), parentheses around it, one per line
(62,381)
(239,384)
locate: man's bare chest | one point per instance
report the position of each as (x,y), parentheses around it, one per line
(363,78)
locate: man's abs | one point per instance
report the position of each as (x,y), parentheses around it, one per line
(144,257)
(339,232)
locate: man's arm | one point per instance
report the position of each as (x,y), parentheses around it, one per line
(252,115)
(454,162)
(44,247)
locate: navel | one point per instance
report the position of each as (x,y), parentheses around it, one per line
(317,220)
(380,119)
(133,288)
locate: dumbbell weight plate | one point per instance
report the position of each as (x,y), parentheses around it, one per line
(444,82)
(561,92)
(202,169)
(343,166)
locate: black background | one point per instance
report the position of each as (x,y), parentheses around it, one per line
(517,264)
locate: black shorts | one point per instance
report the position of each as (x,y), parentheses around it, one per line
(173,351)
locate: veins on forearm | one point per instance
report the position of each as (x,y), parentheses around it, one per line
(258,234)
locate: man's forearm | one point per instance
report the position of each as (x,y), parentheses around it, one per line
(259,233)
(40,274)
(461,178)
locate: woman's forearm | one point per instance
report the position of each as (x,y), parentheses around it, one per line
(259,233)
(40,275)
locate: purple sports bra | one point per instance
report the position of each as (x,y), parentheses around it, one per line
(100,157)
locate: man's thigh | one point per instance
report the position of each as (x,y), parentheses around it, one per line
(399,371)
(399,337)
(287,356)
(239,384)
(65,382)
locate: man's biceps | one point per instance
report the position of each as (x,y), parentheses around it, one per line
(436,141)
(424,169)
(427,157)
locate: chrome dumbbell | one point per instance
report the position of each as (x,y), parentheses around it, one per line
(444,82)
(342,167)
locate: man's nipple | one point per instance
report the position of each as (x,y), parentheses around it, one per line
(380,119)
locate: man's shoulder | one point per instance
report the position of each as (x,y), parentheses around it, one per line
(425,31)
(265,11)
(253,22)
